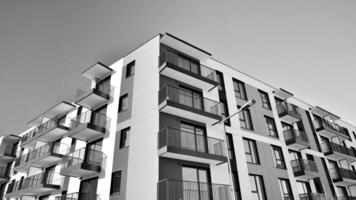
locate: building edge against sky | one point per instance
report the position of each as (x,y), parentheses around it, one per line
(145,129)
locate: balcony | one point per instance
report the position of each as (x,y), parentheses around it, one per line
(49,131)
(89,126)
(188,190)
(304,169)
(312,196)
(4,174)
(43,183)
(41,157)
(338,152)
(98,71)
(83,163)
(345,198)
(329,129)
(76,196)
(288,113)
(8,148)
(94,97)
(195,74)
(343,176)
(296,139)
(177,144)
(185,104)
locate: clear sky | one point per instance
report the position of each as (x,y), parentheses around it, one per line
(305,46)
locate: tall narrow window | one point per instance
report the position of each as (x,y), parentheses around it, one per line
(123,103)
(220,80)
(271,127)
(245,119)
(115,182)
(239,88)
(257,187)
(285,189)
(130,69)
(224,112)
(265,100)
(125,138)
(230,146)
(251,151)
(278,157)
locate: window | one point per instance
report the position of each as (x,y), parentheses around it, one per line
(303,189)
(251,151)
(125,138)
(130,69)
(245,119)
(123,103)
(278,157)
(257,187)
(188,64)
(115,182)
(271,126)
(285,189)
(265,100)
(230,146)
(239,88)
(224,112)
(220,80)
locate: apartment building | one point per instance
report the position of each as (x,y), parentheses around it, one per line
(169,122)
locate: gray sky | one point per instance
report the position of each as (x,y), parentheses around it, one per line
(307,47)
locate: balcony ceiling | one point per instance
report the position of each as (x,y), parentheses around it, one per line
(283,94)
(98,71)
(324,113)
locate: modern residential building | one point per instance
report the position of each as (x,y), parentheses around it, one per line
(169,122)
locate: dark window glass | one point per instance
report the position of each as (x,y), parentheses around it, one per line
(257,187)
(265,100)
(125,138)
(245,119)
(239,88)
(230,147)
(115,182)
(220,80)
(278,157)
(251,151)
(285,189)
(123,103)
(271,127)
(130,69)
(188,64)
(224,112)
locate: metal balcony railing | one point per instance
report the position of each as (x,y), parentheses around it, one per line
(104,92)
(198,69)
(97,120)
(190,141)
(338,173)
(88,156)
(312,196)
(76,196)
(4,171)
(190,99)
(188,190)
(330,146)
(326,124)
(291,135)
(285,107)
(301,165)
(44,127)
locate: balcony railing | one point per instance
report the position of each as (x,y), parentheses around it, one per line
(9,151)
(97,120)
(285,107)
(88,156)
(188,190)
(189,99)
(326,124)
(190,141)
(198,69)
(76,196)
(4,172)
(302,165)
(101,91)
(328,147)
(63,122)
(57,148)
(339,173)
(312,196)
(293,135)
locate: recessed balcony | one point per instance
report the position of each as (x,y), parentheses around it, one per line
(343,176)
(296,139)
(185,104)
(43,183)
(312,196)
(288,113)
(92,98)
(83,163)
(77,196)
(171,65)
(182,145)
(41,157)
(180,189)
(338,152)
(304,169)
(8,148)
(4,174)
(48,131)
(329,129)
(89,126)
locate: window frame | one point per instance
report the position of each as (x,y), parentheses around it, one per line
(130,69)
(125,137)
(240,90)
(117,181)
(252,151)
(280,162)
(266,103)
(121,99)
(245,119)
(272,131)
(259,185)
(288,193)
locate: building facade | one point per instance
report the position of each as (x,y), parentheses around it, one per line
(153,126)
